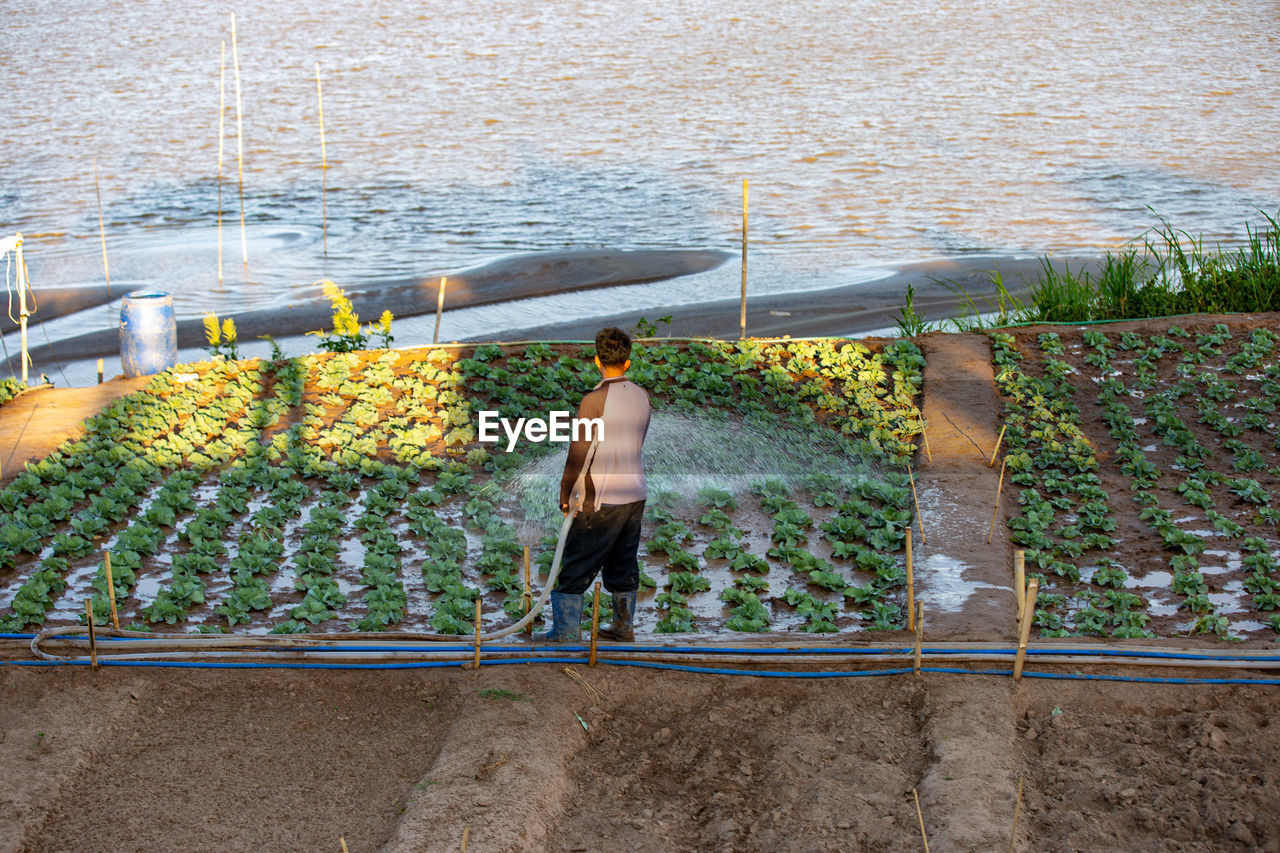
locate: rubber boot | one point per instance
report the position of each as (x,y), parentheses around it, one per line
(622,629)
(566,619)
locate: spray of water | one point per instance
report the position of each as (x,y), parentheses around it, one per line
(684,453)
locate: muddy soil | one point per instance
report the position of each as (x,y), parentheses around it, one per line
(517,758)
(528,758)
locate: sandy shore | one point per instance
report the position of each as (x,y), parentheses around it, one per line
(942,288)
(851,310)
(517,277)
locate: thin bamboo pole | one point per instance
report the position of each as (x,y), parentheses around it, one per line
(996,449)
(102,231)
(111,591)
(919,635)
(595,623)
(915,498)
(742,313)
(1017,807)
(343,843)
(235,58)
(1020,581)
(466,833)
(1024,629)
(528,591)
(911,586)
(995,513)
(920,816)
(444,282)
(324,169)
(924,434)
(479,604)
(222,137)
(101,370)
(23,286)
(93,637)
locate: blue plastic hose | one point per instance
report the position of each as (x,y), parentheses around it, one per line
(672,667)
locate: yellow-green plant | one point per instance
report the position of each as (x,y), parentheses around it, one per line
(383,329)
(221,338)
(346,335)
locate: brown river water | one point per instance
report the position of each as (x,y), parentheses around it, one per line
(461,132)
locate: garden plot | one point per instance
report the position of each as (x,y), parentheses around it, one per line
(1147,469)
(348,492)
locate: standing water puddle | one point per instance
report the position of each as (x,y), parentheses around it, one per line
(941,585)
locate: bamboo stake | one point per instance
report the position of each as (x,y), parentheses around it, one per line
(343,842)
(919,635)
(595,623)
(995,513)
(911,586)
(111,592)
(435,336)
(916,499)
(324,169)
(1020,581)
(24,284)
(235,58)
(1017,807)
(477,658)
(466,832)
(999,439)
(920,817)
(102,231)
(924,434)
(93,639)
(528,591)
(222,136)
(1024,629)
(742,315)
(101,370)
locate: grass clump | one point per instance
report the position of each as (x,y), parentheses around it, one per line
(502,693)
(1171,274)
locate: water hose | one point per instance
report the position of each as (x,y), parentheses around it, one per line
(672,667)
(576,496)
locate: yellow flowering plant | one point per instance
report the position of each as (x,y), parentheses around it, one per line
(346,335)
(221,338)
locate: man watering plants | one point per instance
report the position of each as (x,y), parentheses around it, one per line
(604,481)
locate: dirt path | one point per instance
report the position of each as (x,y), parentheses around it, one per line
(34,424)
(964,582)
(192,760)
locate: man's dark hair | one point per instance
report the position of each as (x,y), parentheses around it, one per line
(613,346)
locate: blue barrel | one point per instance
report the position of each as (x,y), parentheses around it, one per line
(148,333)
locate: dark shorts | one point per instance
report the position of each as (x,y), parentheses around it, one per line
(604,541)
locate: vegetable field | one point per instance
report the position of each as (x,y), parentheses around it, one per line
(348,492)
(1147,476)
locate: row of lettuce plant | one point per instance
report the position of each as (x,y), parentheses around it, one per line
(378,425)
(1050,457)
(1198,488)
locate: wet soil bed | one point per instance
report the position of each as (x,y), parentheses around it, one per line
(529,758)
(171,760)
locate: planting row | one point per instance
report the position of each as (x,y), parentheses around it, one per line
(348,492)
(1185,421)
